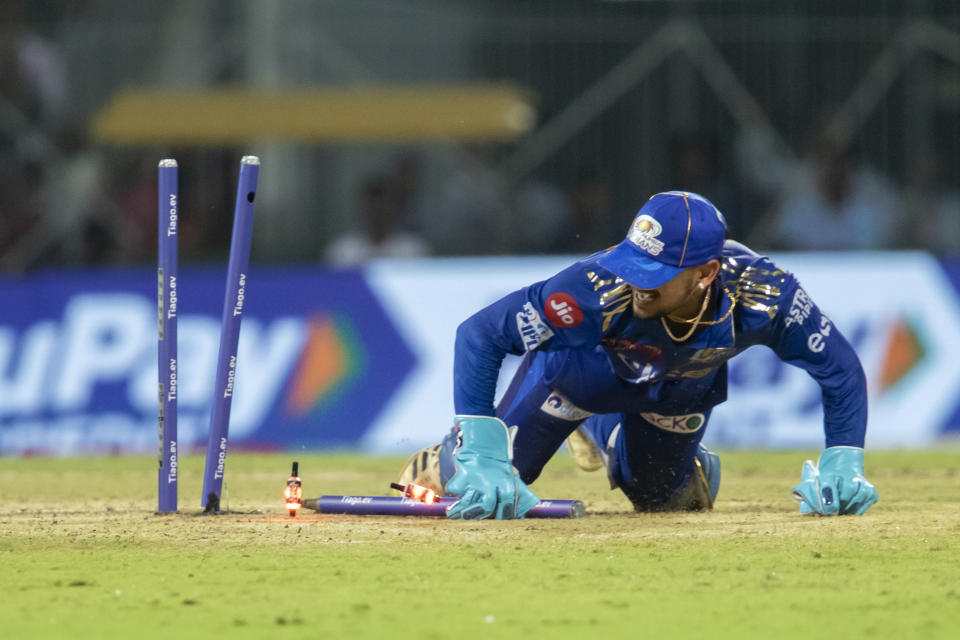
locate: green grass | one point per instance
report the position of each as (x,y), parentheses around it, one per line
(83,556)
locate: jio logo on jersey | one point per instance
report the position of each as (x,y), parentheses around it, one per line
(562,310)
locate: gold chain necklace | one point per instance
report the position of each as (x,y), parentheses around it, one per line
(733,303)
(695,322)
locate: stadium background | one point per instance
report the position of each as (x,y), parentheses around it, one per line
(769,109)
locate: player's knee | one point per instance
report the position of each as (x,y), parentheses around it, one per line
(693,490)
(647,496)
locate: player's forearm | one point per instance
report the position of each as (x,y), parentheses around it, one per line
(482,341)
(806,338)
(476,367)
(845,407)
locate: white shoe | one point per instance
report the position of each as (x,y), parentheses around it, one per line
(585,453)
(423,468)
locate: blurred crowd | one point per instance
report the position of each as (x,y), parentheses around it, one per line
(828,199)
(66,201)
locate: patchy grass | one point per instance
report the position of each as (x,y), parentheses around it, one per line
(83,555)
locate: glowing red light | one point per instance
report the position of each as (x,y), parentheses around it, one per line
(421,494)
(292,494)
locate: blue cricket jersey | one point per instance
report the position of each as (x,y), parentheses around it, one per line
(604,360)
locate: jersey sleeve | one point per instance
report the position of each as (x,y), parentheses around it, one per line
(561,312)
(803,336)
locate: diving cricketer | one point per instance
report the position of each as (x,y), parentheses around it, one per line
(624,356)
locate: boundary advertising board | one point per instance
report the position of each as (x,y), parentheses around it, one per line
(362,360)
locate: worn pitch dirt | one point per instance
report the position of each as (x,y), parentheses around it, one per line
(82,555)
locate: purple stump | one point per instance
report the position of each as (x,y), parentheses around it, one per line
(400,506)
(167,219)
(233,303)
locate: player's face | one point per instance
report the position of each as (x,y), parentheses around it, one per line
(676,296)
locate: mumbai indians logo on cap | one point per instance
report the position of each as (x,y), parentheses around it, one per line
(644,232)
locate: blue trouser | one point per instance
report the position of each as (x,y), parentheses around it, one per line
(648,463)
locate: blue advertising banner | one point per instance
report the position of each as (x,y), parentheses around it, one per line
(318,359)
(362,360)
(951,267)
(899,310)
(901,314)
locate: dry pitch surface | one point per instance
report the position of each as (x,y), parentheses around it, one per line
(83,556)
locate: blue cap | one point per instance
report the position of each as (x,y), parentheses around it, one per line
(672,231)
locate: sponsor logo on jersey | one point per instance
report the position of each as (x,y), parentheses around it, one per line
(800,308)
(643,371)
(643,233)
(562,310)
(689,423)
(559,407)
(533,330)
(624,344)
(816,340)
(642,361)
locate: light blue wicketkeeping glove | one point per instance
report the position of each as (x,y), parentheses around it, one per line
(835,485)
(485,479)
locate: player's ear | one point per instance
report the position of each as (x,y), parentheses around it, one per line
(708,271)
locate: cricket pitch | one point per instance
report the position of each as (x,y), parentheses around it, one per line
(82,555)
